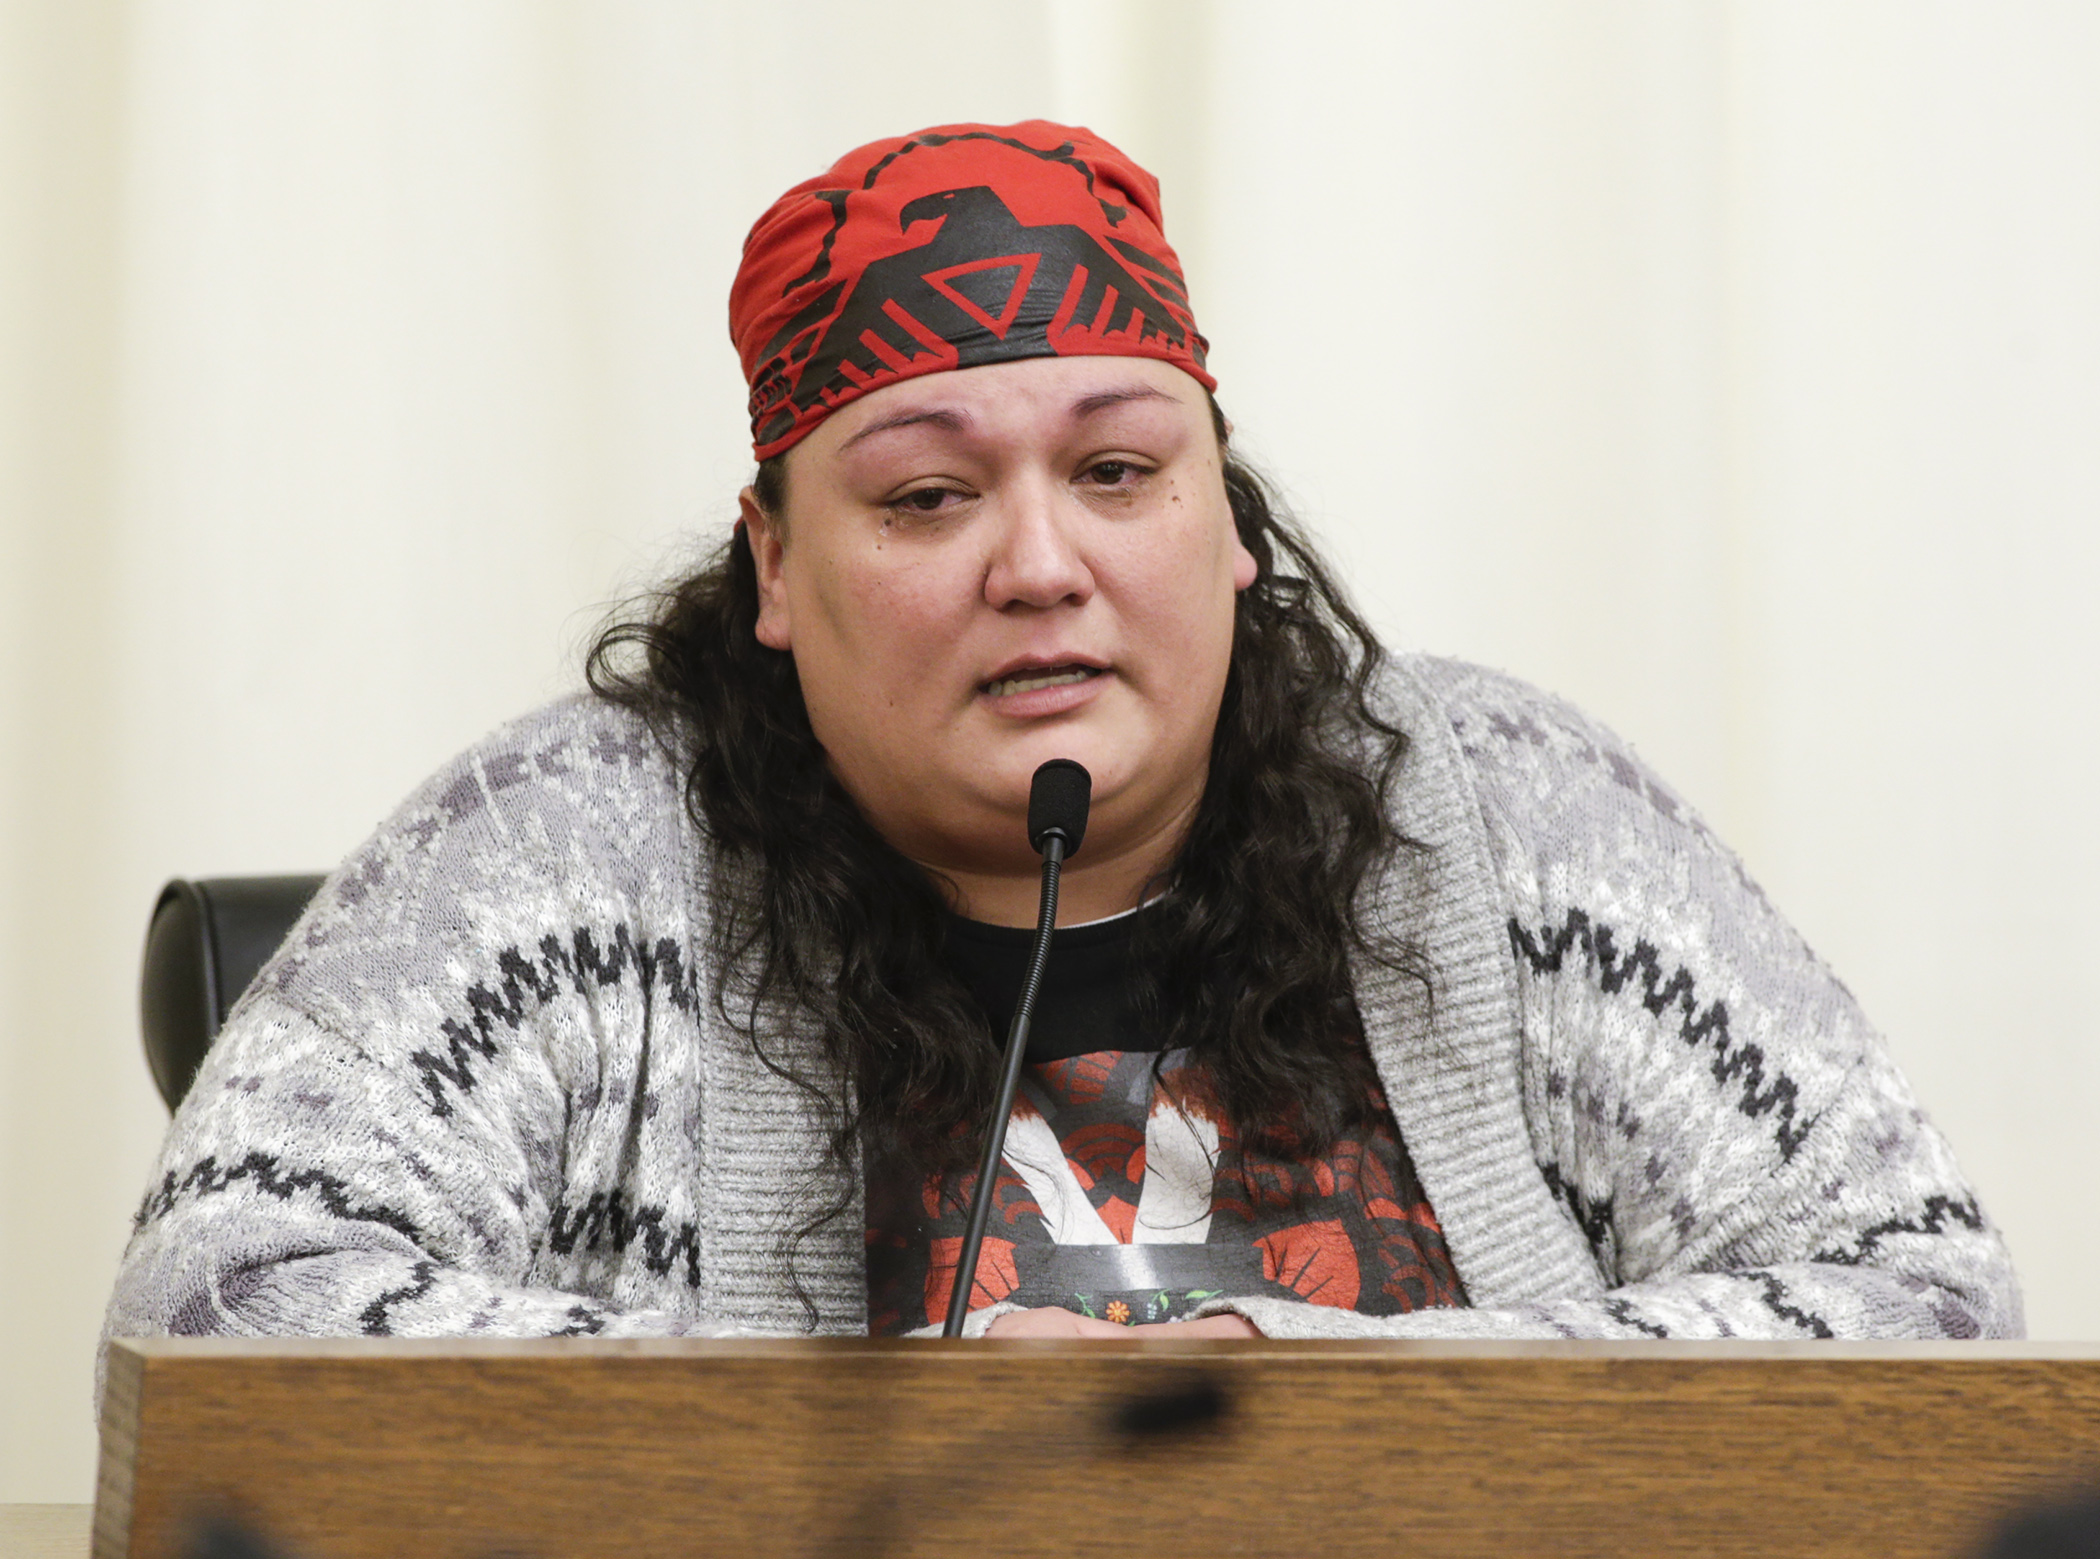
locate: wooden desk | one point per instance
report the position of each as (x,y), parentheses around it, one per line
(343,1450)
(44,1531)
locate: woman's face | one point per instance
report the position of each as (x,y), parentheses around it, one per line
(980,570)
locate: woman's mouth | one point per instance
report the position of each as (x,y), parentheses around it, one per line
(1032,681)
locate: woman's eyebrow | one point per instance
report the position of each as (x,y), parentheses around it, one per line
(1107,398)
(940,416)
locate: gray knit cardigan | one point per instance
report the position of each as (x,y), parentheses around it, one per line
(487,1087)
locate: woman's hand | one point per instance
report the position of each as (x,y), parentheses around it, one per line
(1053,1322)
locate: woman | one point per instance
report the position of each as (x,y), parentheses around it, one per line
(1394,999)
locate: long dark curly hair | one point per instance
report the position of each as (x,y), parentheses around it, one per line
(1248,956)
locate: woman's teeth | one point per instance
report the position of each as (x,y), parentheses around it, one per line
(1030,681)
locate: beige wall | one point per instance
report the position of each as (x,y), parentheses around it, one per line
(1731,368)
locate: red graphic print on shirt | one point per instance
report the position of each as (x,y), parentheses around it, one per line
(1124,1194)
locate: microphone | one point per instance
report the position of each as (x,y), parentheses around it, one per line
(1057,806)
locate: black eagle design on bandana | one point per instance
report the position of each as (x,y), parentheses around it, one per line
(985,289)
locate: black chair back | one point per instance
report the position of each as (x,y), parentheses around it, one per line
(205,942)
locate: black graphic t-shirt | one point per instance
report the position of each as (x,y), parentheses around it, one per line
(1123,1193)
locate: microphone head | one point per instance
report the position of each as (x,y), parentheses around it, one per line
(1057,803)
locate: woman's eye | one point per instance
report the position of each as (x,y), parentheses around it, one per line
(923,500)
(1113,473)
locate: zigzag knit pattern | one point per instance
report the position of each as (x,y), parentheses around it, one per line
(487,1086)
(524,984)
(1703,1026)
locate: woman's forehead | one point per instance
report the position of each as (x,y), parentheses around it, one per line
(1044,395)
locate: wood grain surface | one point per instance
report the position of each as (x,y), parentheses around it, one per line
(43,1531)
(343,1450)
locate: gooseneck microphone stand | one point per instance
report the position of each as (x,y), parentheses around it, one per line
(1057,806)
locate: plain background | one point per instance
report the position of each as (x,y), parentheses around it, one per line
(1731,368)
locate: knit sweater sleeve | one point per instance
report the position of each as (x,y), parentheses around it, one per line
(1704,1098)
(382,1139)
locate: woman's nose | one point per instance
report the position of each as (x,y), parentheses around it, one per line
(1036,560)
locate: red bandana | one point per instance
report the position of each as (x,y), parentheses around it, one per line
(961,245)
